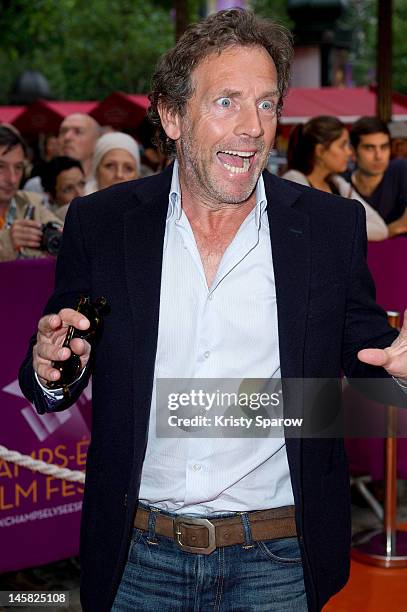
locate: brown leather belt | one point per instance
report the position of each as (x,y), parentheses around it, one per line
(202,536)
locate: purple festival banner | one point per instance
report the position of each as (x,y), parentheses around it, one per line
(387,263)
(39,515)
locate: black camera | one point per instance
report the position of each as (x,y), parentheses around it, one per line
(51,238)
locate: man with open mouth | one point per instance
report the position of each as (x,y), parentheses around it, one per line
(214,270)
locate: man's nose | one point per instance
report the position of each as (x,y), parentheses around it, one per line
(66,135)
(79,191)
(249,123)
(13,176)
(378,154)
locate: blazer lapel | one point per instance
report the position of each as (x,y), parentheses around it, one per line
(144,229)
(290,244)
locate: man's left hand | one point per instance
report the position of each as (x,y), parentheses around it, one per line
(398,227)
(393,358)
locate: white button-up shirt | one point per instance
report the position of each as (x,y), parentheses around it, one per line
(227,331)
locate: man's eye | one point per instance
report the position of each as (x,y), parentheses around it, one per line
(267,105)
(224,102)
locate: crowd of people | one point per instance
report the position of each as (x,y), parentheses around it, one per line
(86,157)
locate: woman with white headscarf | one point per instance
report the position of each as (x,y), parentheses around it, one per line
(116,160)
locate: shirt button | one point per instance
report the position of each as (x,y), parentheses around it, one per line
(210,296)
(206,354)
(196,467)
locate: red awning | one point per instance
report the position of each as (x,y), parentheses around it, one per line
(348,104)
(121,111)
(9,113)
(68,108)
(46,116)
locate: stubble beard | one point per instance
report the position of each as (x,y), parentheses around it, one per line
(198,177)
(364,171)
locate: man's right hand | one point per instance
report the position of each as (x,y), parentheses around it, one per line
(50,337)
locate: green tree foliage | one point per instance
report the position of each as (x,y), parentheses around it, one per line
(89,48)
(86,49)
(274,9)
(400,46)
(361,18)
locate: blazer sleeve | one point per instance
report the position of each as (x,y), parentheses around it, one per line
(72,280)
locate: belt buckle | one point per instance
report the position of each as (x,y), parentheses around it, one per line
(195,521)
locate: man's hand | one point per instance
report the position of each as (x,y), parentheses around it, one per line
(393,358)
(50,337)
(399,226)
(26,233)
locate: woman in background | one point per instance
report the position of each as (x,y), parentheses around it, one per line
(318,152)
(116,160)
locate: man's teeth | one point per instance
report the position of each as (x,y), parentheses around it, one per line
(240,153)
(235,169)
(245,155)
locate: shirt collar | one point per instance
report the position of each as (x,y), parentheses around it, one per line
(175,209)
(174,206)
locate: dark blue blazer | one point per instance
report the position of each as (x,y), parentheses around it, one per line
(112,246)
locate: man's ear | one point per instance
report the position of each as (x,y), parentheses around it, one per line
(170,121)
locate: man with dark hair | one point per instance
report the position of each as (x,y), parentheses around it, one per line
(63,179)
(381,182)
(21,212)
(213,270)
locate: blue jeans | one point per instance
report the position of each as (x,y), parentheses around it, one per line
(252,577)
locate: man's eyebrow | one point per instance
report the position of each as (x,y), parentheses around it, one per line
(273,93)
(232,93)
(228,93)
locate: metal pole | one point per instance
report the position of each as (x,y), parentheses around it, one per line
(390,500)
(181,17)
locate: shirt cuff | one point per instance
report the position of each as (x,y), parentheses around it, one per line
(57,394)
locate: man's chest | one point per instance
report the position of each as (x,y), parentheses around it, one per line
(218,328)
(211,249)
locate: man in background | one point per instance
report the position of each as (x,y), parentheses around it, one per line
(381,182)
(21,213)
(78,134)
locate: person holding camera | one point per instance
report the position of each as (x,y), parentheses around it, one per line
(25,224)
